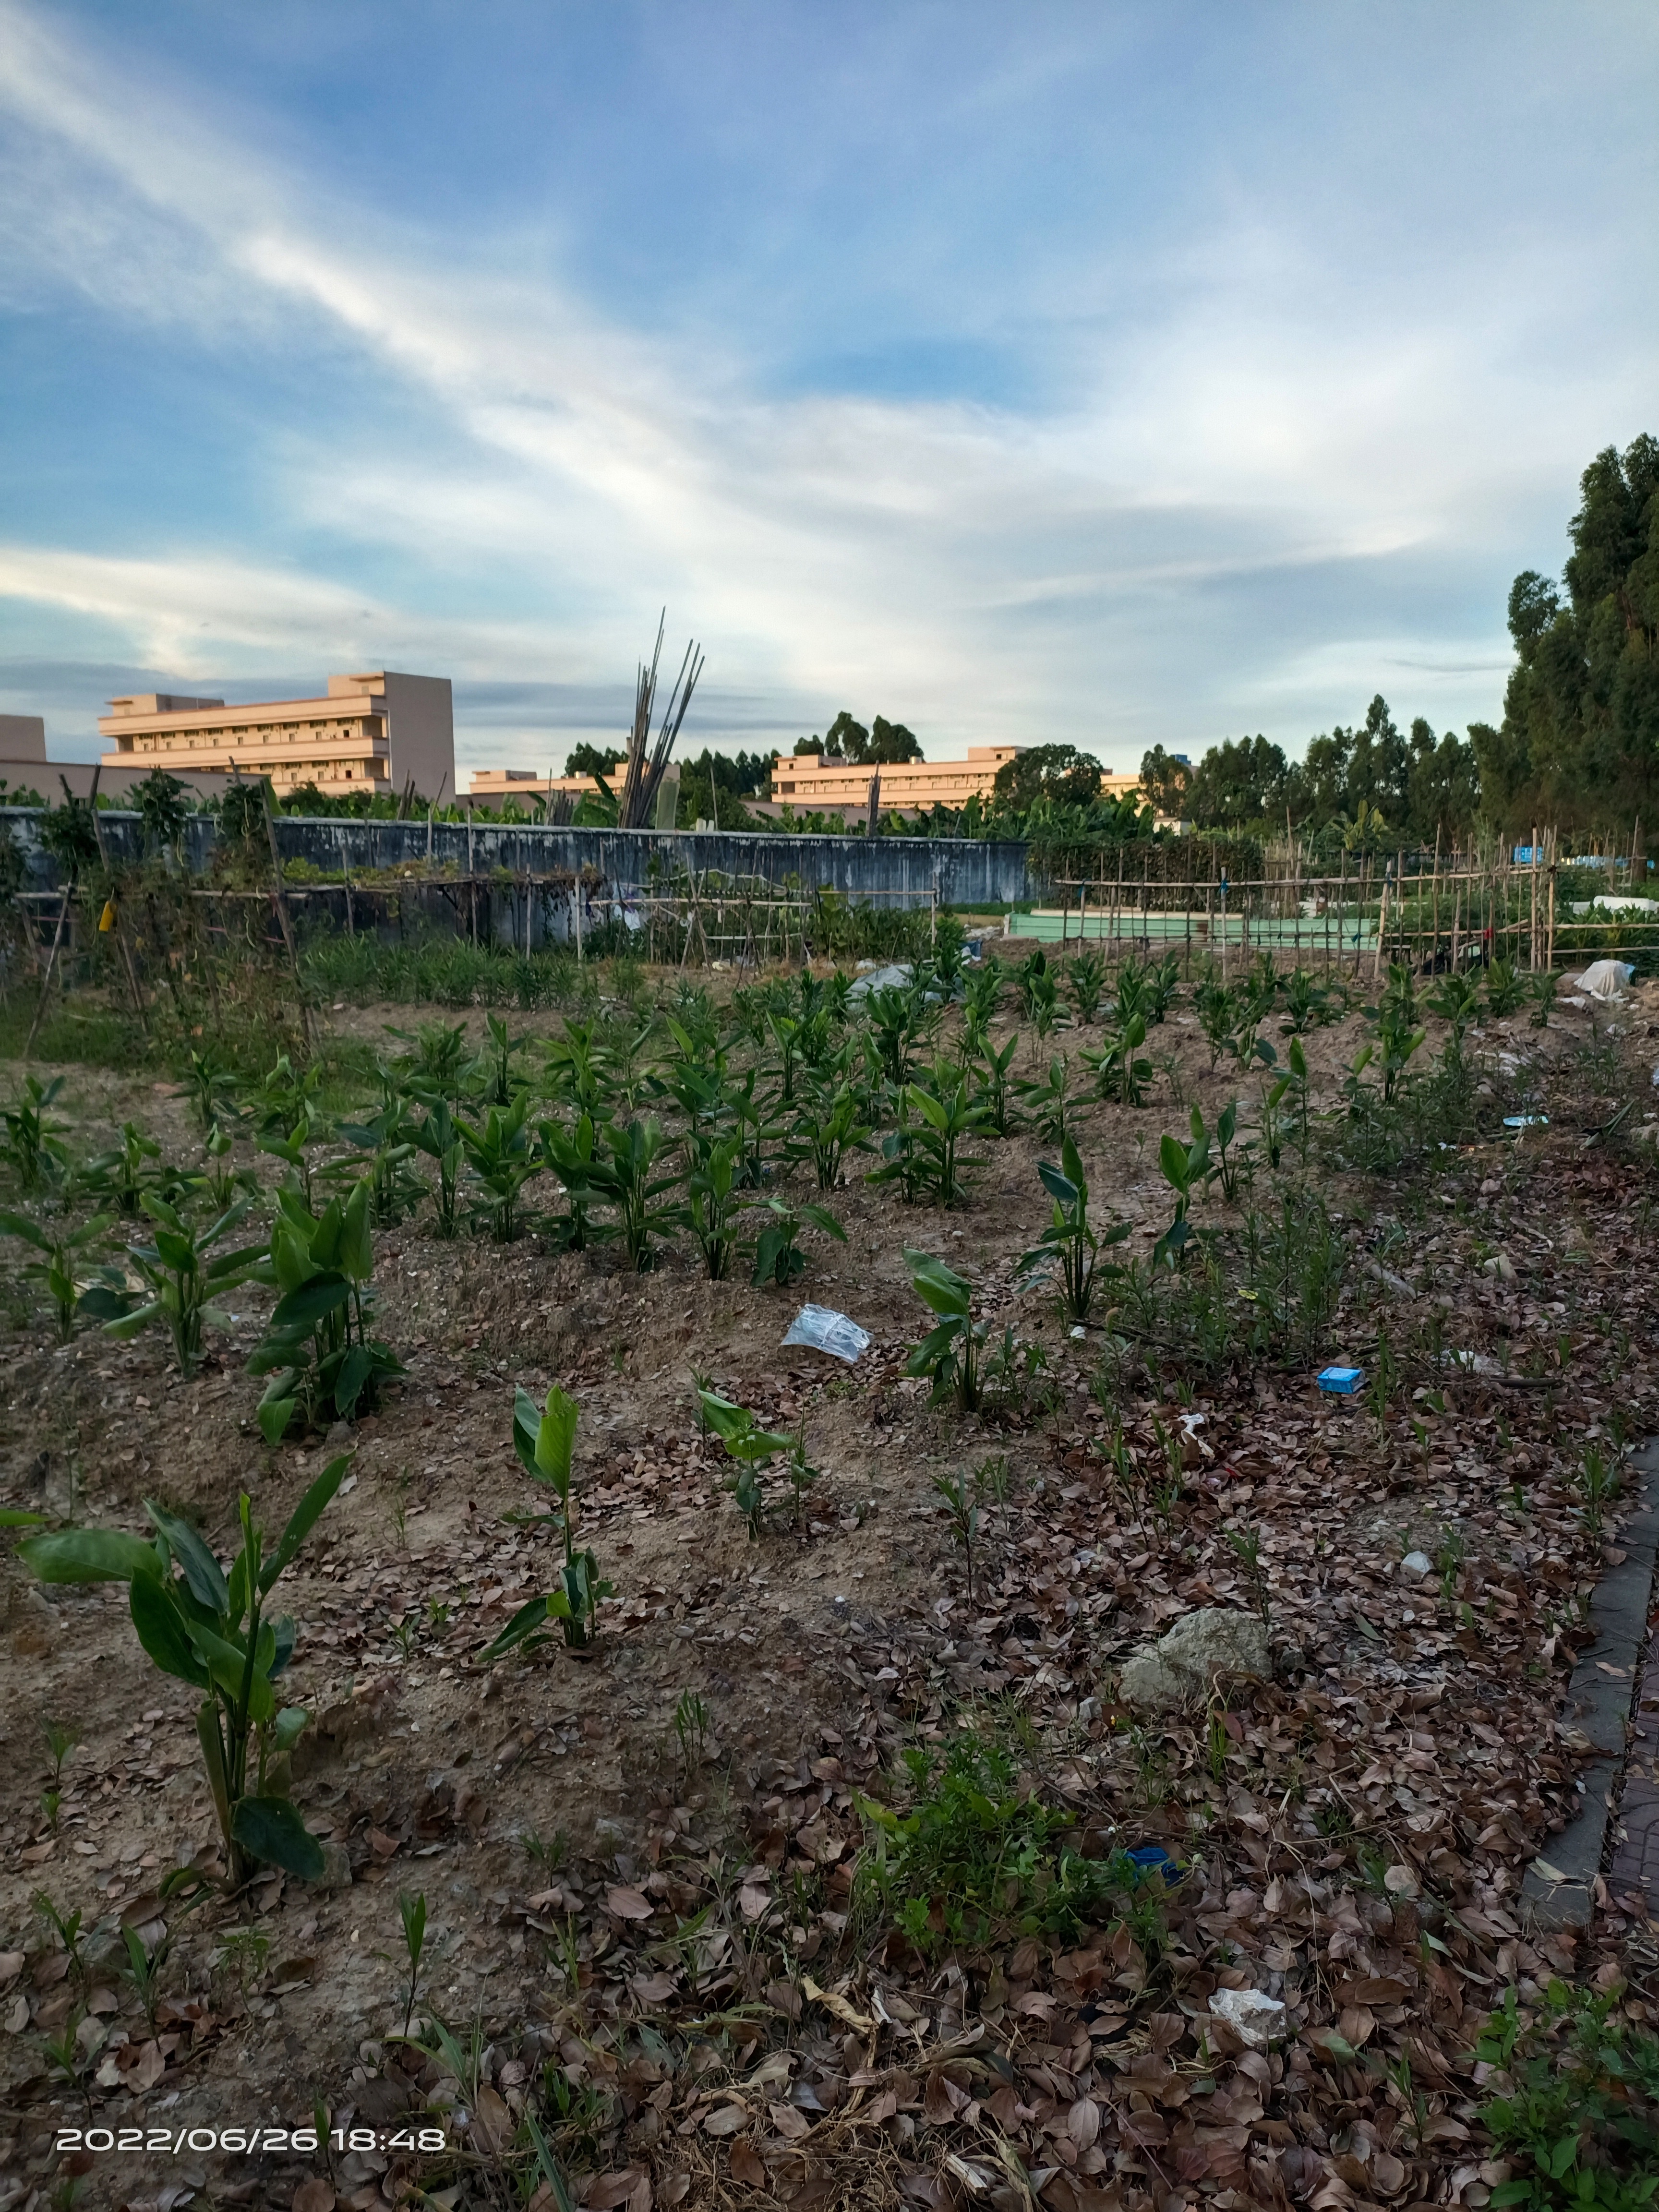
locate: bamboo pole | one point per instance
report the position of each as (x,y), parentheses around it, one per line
(283,917)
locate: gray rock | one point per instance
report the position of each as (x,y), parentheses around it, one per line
(336,1867)
(1179,1670)
(1416,1567)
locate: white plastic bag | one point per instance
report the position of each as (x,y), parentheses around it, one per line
(826,1330)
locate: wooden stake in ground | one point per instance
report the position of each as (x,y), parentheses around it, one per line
(63,918)
(282,916)
(113,909)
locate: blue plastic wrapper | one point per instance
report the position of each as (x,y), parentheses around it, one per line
(1344,1381)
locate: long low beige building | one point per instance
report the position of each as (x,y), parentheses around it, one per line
(809,782)
(377,731)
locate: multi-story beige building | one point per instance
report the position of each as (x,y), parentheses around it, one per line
(810,783)
(376,732)
(495,784)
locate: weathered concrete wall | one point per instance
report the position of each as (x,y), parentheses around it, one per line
(901,871)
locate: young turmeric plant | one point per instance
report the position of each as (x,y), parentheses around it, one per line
(545,1440)
(209,1626)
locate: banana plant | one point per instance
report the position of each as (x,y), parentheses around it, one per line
(501,1159)
(210,1628)
(1068,1249)
(749,1448)
(544,1438)
(318,1352)
(61,1271)
(184,1275)
(949,1356)
(778,1256)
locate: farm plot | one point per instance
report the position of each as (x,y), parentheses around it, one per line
(724,1774)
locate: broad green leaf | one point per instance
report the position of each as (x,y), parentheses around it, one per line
(556,1438)
(354,1370)
(305,1517)
(1059,1188)
(13,1516)
(270,1830)
(274,1413)
(284,1651)
(289,1727)
(19,1225)
(202,1570)
(937,1285)
(356,1259)
(524,1622)
(163,1632)
(1172,1159)
(88,1555)
(231,1674)
(821,1217)
(311,1303)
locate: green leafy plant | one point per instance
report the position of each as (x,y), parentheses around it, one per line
(778,1256)
(827,1129)
(1123,1069)
(500,1160)
(436,1135)
(61,1738)
(318,1351)
(544,1438)
(210,1088)
(62,1273)
(499,1079)
(949,1356)
(1581,2108)
(1049,1103)
(997,1078)
(184,1275)
(944,1119)
(1457,1003)
(1305,1003)
(1067,1250)
(32,1144)
(749,1447)
(1186,1169)
(1505,990)
(412,1911)
(210,1629)
(629,1181)
(120,1176)
(713,1206)
(1085,979)
(977,1857)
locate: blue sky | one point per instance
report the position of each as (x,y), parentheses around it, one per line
(1123,374)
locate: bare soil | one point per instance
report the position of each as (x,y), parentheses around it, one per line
(647,1920)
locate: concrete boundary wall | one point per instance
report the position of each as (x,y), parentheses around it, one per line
(897,870)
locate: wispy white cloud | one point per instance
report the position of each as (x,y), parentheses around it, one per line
(1262,418)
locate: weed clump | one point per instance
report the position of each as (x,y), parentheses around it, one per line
(977,1858)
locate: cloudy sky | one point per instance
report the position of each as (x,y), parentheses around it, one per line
(1122,373)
